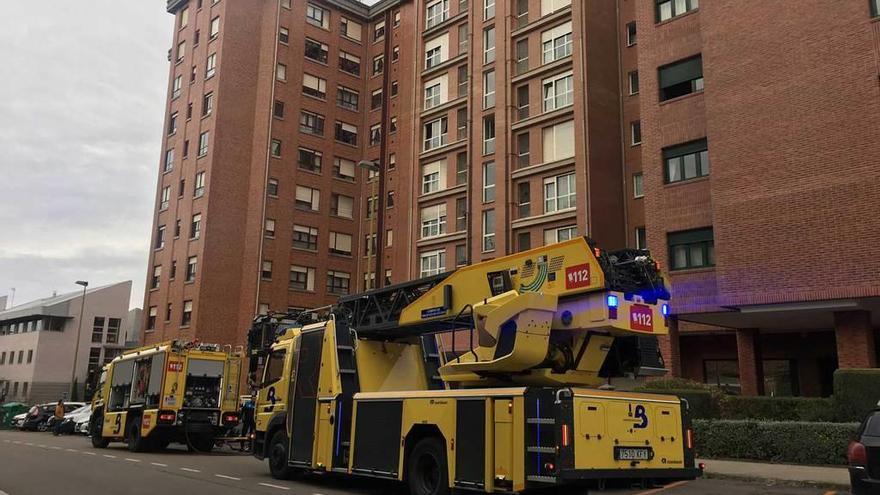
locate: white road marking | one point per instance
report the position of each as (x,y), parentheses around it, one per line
(55,448)
(227,477)
(270,485)
(71,450)
(159,464)
(190,470)
(29,444)
(129,459)
(17,442)
(41,446)
(6,441)
(89,453)
(108,456)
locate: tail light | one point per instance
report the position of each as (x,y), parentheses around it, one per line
(230,418)
(856,454)
(565,435)
(689,439)
(167,417)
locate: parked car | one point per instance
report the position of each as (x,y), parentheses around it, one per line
(18,420)
(38,417)
(863,455)
(74,419)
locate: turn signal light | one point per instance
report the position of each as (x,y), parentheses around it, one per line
(856,454)
(167,417)
(230,418)
(565,435)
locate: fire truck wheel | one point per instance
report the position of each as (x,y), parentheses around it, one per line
(136,443)
(278,455)
(427,472)
(201,443)
(96,430)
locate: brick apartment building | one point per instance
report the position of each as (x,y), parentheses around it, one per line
(490,127)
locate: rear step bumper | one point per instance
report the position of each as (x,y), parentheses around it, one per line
(606,474)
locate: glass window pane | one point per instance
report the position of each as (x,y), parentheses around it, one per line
(680,256)
(704,163)
(673,169)
(665,10)
(697,255)
(680,6)
(690,166)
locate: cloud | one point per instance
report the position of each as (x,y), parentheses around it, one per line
(80,135)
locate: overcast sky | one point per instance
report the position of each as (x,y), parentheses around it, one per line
(81,109)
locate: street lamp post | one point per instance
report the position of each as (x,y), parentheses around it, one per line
(82,309)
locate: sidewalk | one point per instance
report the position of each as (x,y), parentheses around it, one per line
(784,472)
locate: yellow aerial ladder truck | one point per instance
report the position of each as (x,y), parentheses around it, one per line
(374,388)
(168,392)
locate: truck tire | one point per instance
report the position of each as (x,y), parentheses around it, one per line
(427,470)
(277,455)
(96,431)
(136,443)
(201,443)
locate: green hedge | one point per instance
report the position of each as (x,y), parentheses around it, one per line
(789,442)
(856,391)
(672,383)
(778,408)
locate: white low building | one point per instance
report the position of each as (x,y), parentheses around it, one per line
(38,338)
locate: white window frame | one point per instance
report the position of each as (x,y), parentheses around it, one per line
(558,91)
(489,43)
(638,185)
(433,220)
(554,201)
(556,43)
(488,240)
(489,182)
(312,17)
(314,196)
(436,12)
(432,263)
(560,234)
(434,177)
(489,89)
(435,134)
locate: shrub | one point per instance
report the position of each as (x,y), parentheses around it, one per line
(778,408)
(673,383)
(856,392)
(774,441)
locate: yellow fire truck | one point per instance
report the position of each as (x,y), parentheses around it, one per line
(380,387)
(169,392)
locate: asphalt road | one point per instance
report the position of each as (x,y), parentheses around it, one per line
(38,464)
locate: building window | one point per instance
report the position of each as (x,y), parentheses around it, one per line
(559,193)
(151,319)
(184,18)
(199,189)
(378,31)
(272,188)
(342,206)
(369,245)
(436,51)
(432,263)
(281,72)
(875,8)
(558,141)
(435,134)
(461,168)
(556,43)
(172,123)
(181,51)
(523,150)
(347,98)
(667,9)
(550,6)
(376,99)
(340,243)
(641,238)
(488,230)
(215,27)
(462,81)
(634,82)
(631,34)
(349,63)
(207,104)
(113,325)
(522,13)
(191,264)
(524,199)
(378,64)
(464,36)
(160,237)
(307,199)
(433,94)
(186,316)
(275,148)
(284,35)
(691,249)
(165,198)
(489,42)
(350,29)
(266,272)
(375,135)
(203,143)
(489,89)
(346,133)
(270,228)
(461,214)
(433,177)
(635,132)
(389,200)
(317,16)
(433,220)
(302,278)
(311,123)
(395,88)
(343,169)
(338,282)
(461,119)
(523,241)
(522,102)
(314,86)
(169,161)
(488,182)
(30,359)
(638,185)
(522,56)
(686,161)
(98,330)
(558,92)
(317,51)
(488,9)
(488,135)
(369,280)
(305,237)
(436,12)
(211,66)
(552,236)
(195,227)
(681,78)
(176,86)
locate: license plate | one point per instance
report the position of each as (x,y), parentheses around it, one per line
(641,318)
(632,454)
